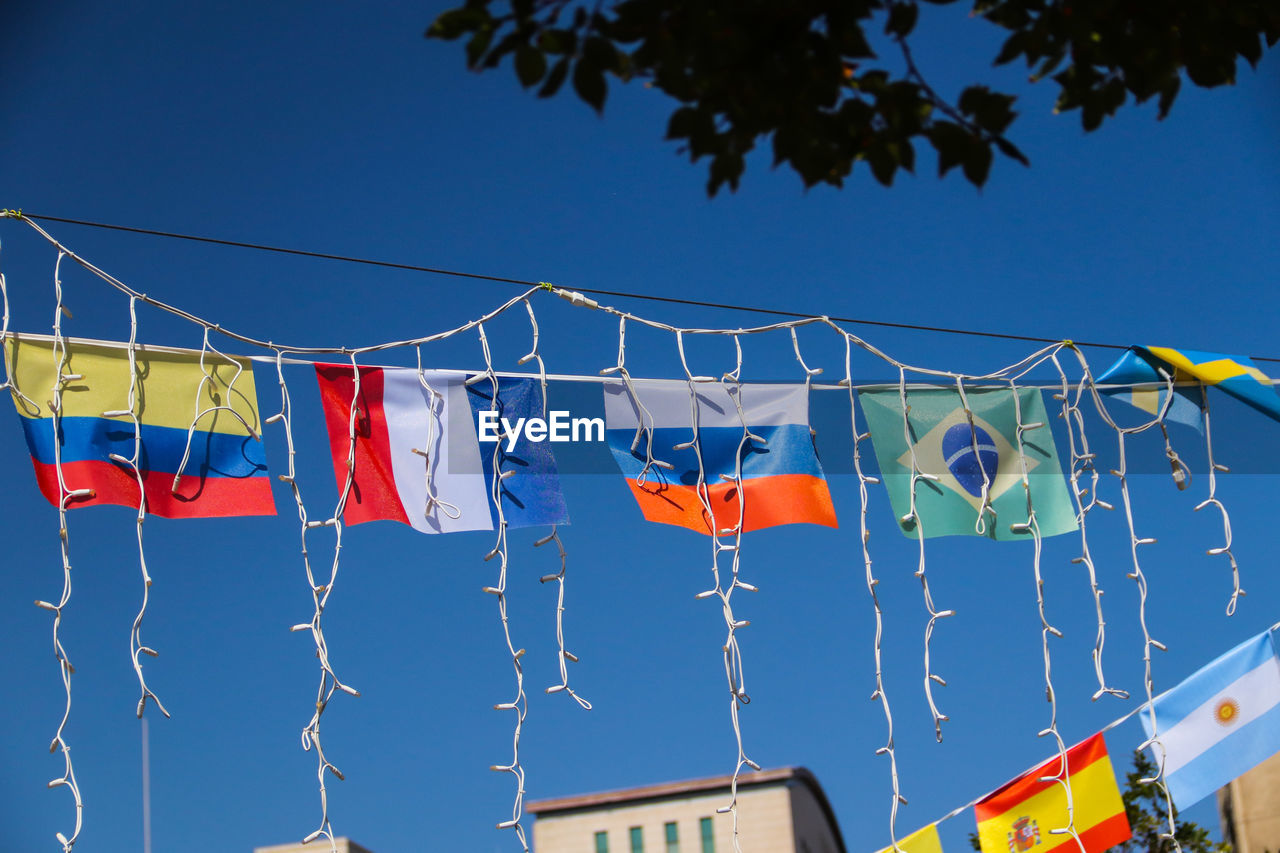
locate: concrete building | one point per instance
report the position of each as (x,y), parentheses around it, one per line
(345,845)
(1249,808)
(779,811)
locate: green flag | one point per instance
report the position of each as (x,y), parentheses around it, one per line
(966,459)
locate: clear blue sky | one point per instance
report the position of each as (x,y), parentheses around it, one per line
(335,128)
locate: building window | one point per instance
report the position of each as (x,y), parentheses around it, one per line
(673,838)
(602,842)
(708,835)
(637,840)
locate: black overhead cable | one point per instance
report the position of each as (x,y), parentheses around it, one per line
(597,291)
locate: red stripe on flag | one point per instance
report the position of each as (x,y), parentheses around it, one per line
(373,491)
(210,497)
(1028,784)
(1101,836)
(770,501)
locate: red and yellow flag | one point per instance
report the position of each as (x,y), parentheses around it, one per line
(1019,817)
(921,841)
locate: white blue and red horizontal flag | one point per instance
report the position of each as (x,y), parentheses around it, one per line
(782,480)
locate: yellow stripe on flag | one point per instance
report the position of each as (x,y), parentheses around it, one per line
(921,841)
(1209,372)
(1020,816)
(170,383)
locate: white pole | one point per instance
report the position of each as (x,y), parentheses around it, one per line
(146,789)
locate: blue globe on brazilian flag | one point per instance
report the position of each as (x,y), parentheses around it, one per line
(975,470)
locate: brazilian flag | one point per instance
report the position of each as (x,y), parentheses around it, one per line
(975,485)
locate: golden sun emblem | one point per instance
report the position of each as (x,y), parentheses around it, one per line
(1226,711)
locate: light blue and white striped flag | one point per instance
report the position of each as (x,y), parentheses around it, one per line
(1220,722)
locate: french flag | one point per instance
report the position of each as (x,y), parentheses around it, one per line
(418,459)
(782,481)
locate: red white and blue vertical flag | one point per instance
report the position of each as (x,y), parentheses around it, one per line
(418,459)
(782,481)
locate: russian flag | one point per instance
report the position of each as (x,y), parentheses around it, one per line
(782,482)
(418,459)
(1220,722)
(196,417)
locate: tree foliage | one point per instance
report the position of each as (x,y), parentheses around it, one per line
(1144,806)
(804,75)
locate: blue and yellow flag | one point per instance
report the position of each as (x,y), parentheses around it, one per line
(1235,374)
(1138,368)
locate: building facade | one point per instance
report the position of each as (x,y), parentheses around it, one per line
(779,811)
(344,845)
(1249,808)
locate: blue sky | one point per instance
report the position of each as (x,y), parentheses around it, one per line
(332,128)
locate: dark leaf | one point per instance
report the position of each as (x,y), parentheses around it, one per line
(601,53)
(531,65)
(977,162)
(478,45)
(951,141)
(453,23)
(1010,150)
(882,163)
(557,41)
(1168,94)
(555,79)
(588,82)
(1013,48)
(902,19)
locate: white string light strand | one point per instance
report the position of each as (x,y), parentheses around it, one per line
(1212,500)
(731,650)
(1032,526)
(913,520)
(563,656)
(65,495)
(520,704)
(1139,578)
(329,681)
(879,694)
(136,646)
(1082,464)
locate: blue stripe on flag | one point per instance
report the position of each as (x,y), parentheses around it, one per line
(1210,680)
(531,496)
(1230,757)
(213,454)
(789,451)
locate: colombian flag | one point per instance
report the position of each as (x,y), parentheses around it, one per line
(1023,814)
(207,416)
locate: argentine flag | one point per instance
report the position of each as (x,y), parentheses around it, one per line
(1220,722)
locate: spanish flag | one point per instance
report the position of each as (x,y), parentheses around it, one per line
(1022,815)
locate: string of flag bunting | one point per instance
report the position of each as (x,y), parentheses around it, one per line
(180,434)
